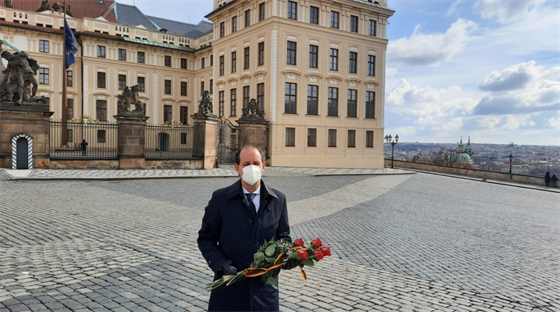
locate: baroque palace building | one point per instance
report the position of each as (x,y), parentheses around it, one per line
(316,68)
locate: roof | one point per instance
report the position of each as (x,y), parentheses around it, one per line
(183,29)
(159,44)
(130,15)
(79,8)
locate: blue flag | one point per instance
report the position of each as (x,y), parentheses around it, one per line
(71,47)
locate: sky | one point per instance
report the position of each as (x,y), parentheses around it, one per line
(485,69)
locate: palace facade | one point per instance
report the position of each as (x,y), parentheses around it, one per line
(316,68)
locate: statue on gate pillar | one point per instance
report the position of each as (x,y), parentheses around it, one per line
(252,113)
(128,98)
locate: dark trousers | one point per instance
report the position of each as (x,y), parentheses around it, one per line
(547,183)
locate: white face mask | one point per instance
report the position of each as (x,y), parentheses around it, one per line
(251,174)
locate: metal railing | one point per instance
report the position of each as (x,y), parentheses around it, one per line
(169,142)
(97,140)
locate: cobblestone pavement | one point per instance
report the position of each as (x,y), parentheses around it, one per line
(400,243)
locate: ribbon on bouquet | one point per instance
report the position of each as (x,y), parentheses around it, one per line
(254,272)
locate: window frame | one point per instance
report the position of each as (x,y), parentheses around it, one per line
(119,81)
(290,139)
(44,76)
(311,137)
(101,77)
(371,65)
(101,108)
(353,63)
(141,57)
(312,100)
(246,96)
(333,59)
(335,19)
(122,55)
(69,78)
(167,113)
(222,64)
(184,63)
(352,103)
(234,61)
(354,23)
(141,85)
(234,24)
(291,12)
(221,97)
(332,103)
(44,46)
(184,114)
(369,138)
(168,61)
(314,18)
(233,101)
(247,16)
(370,105)
(184,88)
(101,51)
(290,100)
(168,84)
(351,140)
(331,137)
(260,95)
(372,31)
(222,29)
(313,56)
(247,57)
(261,54)
(262,11)
(291,53)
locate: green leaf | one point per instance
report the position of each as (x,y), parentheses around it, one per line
(270,260)
(270,250)
(272,281)
(294,255)
(307,262)
(259,256)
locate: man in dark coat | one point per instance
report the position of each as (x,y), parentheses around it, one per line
(234,226)
(547,179)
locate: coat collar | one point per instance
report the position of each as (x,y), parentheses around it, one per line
(237,190)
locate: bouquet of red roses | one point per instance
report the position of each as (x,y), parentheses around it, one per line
(271,256)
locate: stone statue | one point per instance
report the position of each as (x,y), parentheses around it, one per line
(60,9)
(19,83)
(128,98)
(44,6)
(9,3)
(205,107)
(252,112)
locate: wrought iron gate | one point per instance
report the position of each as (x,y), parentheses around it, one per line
(228,141)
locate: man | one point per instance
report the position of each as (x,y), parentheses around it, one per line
(84,145)
(234,226)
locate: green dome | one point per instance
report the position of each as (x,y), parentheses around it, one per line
(463,158)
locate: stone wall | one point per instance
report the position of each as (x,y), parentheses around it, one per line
(192,164)
(474,173)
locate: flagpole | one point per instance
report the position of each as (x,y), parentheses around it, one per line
(64,90)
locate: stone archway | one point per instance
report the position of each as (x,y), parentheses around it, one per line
(16,150)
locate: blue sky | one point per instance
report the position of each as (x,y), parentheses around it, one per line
(488,69)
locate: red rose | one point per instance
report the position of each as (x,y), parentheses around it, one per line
(318,255)
(299,242)
(326,251)
(302,254)
(316,243)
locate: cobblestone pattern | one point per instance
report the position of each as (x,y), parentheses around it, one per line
(417,244)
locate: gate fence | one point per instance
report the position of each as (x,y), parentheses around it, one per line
(169,142)
(101,139)
(228,141)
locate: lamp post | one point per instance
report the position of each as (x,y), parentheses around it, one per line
(510,159)
(390,140)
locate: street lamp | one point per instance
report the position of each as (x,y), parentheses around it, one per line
(388,138)
(510,159)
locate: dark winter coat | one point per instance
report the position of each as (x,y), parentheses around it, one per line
(547,177)
(229,232)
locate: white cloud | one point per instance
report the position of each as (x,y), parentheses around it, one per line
(453,8)
(512,78)
(505,11)
(553,123)
(431,49)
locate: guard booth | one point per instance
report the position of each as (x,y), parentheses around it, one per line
(22,151)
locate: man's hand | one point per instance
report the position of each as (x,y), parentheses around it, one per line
(229,269)
(290,264)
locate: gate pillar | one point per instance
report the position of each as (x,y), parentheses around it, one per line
(254,134)
(132,139)
(205,138)
(28,120)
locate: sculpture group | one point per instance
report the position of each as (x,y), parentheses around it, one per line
(128,98)
(19,82)
(45,6)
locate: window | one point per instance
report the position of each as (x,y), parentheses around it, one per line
(371,65)
(313,56)
(334,19)
(221,104)
(291,54)
(211,86)
(246,98)
(44,46)
(354,23)
(372,28)
(201,88)
(233,62)
(101,110)
(212,60)
(167,113)
(332,138)
(261,11)
(290,136)
(353,63)
(122,55)
(184,63)
(69,78)
(167,86)
(122,82)
(222,29)
(168,61)
(352,103)
(183,88)
(233,98)
(312,100)
(246,62)
(261,54)
(260,96)
(290,98)
(141,57)
(101,51)
(234,24)
(247,18)
(351,138)
(184,115)
(141,84)
(292,10)
(183,138)
(314,15)
(370,105)
(70,103)
(369,139)
(222,61)
(334,59)
(311,137)
(202,63)
(101,81)
(101,136)
(332,109)
(70,135)
(44,76)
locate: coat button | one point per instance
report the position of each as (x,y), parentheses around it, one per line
(250,220)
